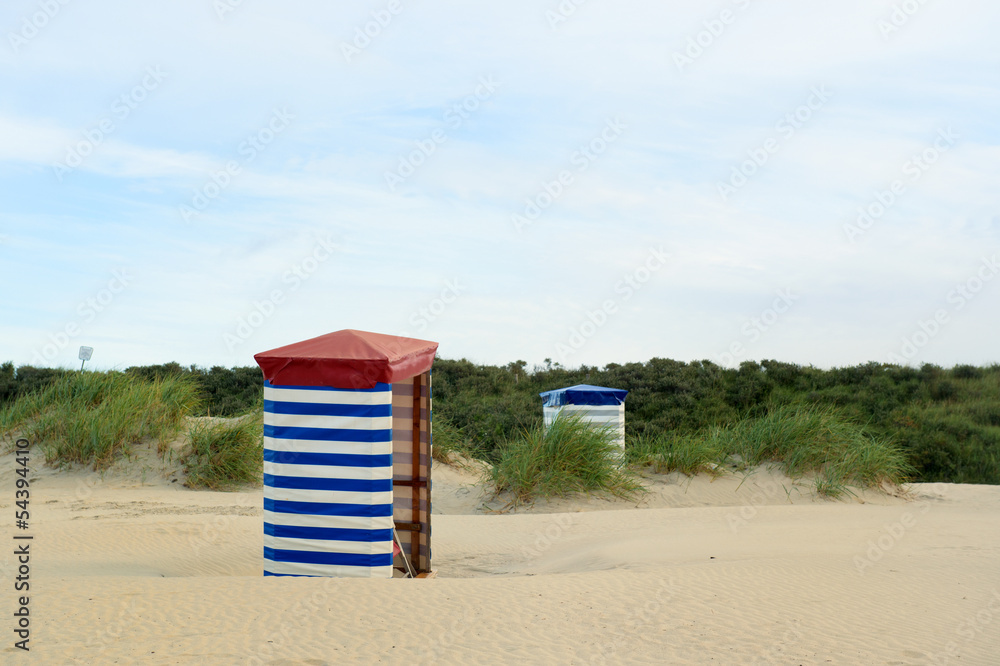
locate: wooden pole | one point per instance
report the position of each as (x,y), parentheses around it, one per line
(415,536)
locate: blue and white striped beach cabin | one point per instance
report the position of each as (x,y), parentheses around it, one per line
(595,404)
(347,455)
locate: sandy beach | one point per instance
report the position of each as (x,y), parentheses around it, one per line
(133,567)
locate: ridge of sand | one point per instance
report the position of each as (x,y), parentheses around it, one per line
(132,567)
(458,490)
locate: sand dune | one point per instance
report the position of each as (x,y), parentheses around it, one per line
(135,568)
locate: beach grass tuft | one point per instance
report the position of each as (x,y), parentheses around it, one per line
(570,456)
(451,444)
(94,418)
(813,440)
(819,440)
(688,454)
(226,453)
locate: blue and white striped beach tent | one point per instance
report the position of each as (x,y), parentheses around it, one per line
(347,454)
(595,404)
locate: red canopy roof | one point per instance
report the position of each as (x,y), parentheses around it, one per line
(347,359)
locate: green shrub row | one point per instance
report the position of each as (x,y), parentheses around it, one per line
(946,421)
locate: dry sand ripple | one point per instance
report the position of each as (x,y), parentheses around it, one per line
(141,570)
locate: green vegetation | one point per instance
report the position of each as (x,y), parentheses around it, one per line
(93,418)
(802,441)
(809,439)
(688,454)
(225,454)
(221,391)
(450,441)
(946,423)
(570,456)
(224,391)
(933,423)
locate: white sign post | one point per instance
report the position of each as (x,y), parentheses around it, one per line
(85,354)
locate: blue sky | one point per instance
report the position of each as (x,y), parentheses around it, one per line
(585,181)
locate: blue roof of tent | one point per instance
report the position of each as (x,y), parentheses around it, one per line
(583,394)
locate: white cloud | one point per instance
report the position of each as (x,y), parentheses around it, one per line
(451,219)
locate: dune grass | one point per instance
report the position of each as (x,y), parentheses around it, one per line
(225,454)
(689,454)
(568,457)
(818,441)
(821,441)
(93,418)
(450,443)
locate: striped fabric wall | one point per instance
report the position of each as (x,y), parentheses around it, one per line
(613,415)
(412,479)
(328,481)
